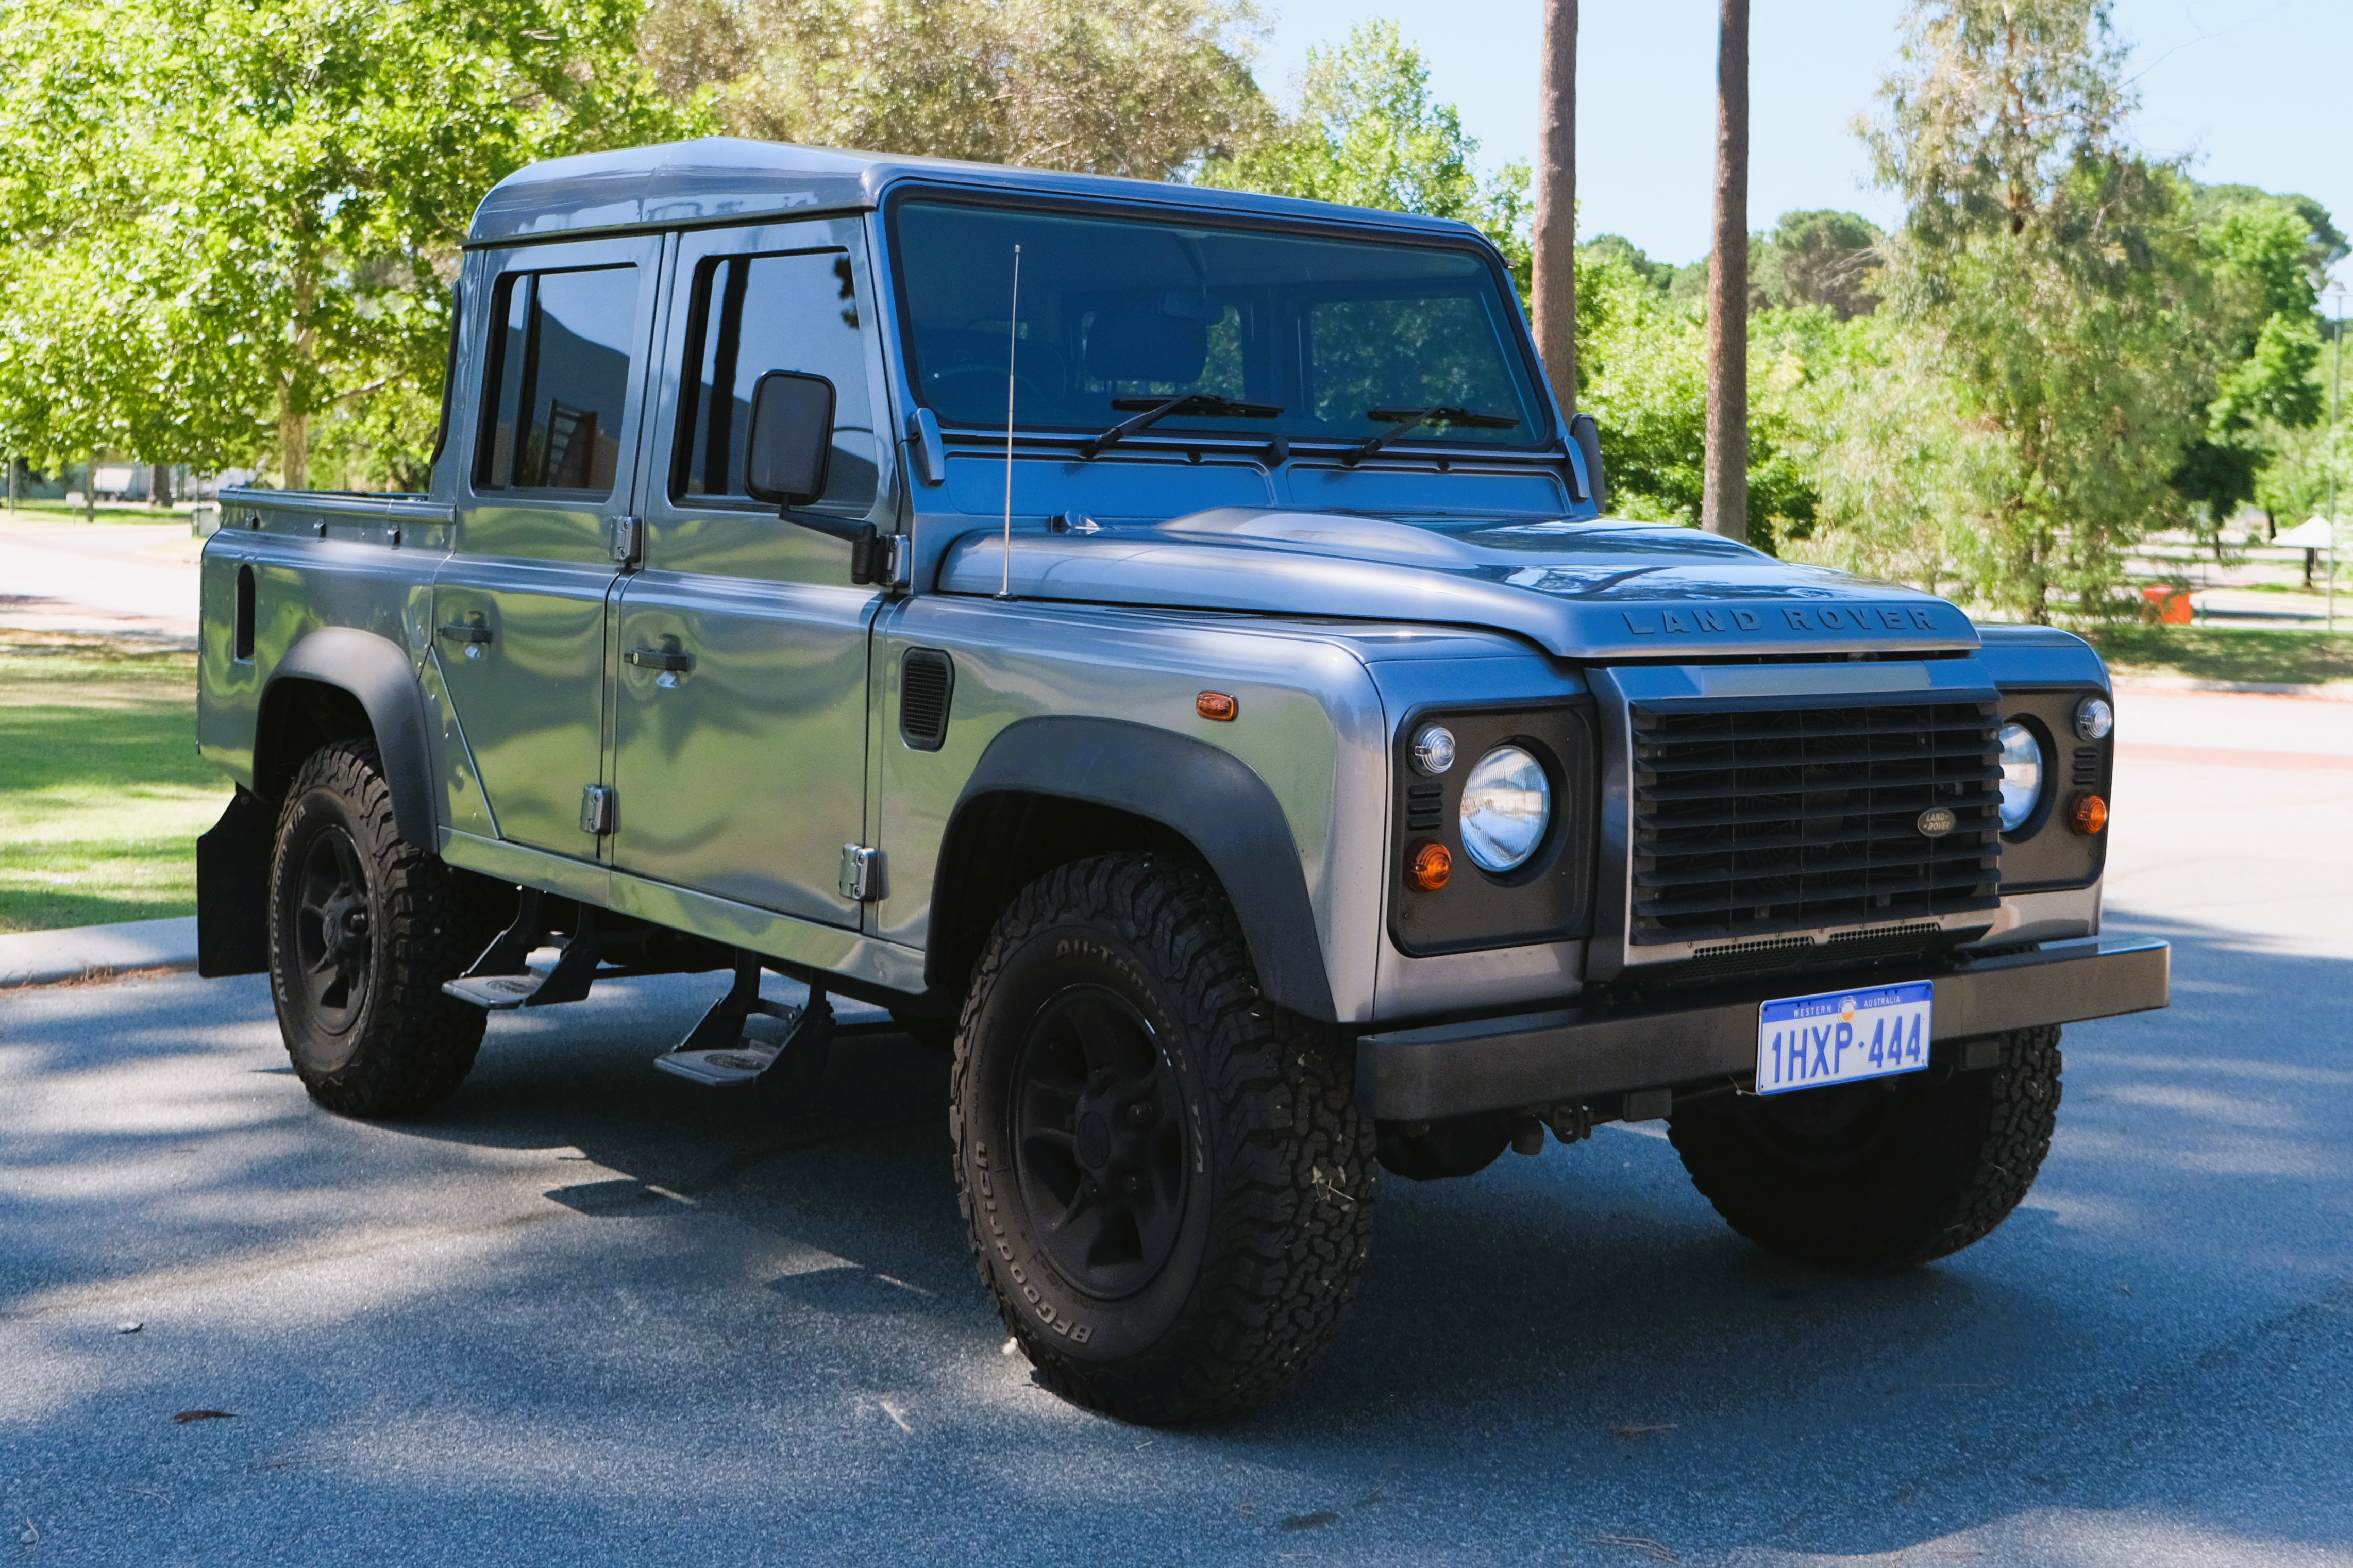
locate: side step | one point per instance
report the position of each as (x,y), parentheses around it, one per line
(501,979)
(721,1051)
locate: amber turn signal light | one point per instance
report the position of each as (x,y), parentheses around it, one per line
(2088,814)
(1432,865)
(1214,705)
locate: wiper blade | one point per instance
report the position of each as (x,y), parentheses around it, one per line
(1442,416)
(1192,406)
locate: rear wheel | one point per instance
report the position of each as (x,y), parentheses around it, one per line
(1884,1175)
(363,929)
(1168,1187)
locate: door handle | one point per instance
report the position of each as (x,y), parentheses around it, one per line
(669,661)
(466,632)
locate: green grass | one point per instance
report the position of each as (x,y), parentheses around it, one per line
(101,792)
(2229,653)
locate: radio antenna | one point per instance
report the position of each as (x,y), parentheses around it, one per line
(1012,351)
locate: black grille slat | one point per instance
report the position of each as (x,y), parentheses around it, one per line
(1764,820)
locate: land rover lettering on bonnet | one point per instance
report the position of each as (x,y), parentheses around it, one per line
(1167,648)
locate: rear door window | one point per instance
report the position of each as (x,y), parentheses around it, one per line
(557,382)
(753,315)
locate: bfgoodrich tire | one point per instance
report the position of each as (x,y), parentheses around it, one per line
(363,929)
(1884,1175)
(1168,1187)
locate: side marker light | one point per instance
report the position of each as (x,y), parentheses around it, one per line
(1214,705)
(2088,816)
(1432,865)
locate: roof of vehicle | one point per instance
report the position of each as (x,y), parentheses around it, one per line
(724,178)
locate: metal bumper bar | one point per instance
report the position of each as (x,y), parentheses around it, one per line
(1539,1059)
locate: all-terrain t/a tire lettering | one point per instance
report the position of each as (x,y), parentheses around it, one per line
(1168,1186)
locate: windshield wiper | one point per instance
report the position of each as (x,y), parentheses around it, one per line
(1192,406)
(1442,416)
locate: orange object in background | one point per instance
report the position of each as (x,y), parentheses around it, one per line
(2088,816)
(1433,864)
(2168,606)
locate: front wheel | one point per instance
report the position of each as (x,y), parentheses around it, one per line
(1168,1186)
(364,928)
(1884,1175)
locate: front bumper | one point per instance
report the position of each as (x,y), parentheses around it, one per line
(1538,1059)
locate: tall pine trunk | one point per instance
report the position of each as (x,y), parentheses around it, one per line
(293,425)
(1555,269)
(1724,501)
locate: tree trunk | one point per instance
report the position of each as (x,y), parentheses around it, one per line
(293,444)
(89,490)
(159,485)
(1555,269)
(1724,504)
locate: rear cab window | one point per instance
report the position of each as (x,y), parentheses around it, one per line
(557,380)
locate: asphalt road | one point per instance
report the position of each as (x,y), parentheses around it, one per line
(588,1314)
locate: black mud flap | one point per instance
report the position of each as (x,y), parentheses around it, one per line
(233,889)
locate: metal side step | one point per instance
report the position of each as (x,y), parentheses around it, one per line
(740,1060)
(495,993)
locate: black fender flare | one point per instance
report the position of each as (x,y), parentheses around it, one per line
(376,673)
(1209,798)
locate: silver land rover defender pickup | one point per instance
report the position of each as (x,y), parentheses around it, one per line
(1169,641)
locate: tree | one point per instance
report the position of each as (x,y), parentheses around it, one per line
(1367,133)
(262,204)
(1553,261)
(1827,258)
(1144,88)
(1723,503)
(2042,264)
(2260,310)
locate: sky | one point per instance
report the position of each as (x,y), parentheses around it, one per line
(2250,88)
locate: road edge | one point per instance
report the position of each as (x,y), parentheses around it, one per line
(94,952)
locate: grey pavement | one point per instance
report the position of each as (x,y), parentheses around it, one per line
(136,582)
(585,1313)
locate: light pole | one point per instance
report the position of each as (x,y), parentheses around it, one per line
(2335,379)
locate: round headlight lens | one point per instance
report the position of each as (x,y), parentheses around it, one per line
(2094,718)
(1506,806)
(2022,775)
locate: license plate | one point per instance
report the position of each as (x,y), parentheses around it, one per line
(1805,1042)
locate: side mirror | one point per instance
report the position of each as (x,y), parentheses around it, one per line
(1588,437)
(791,439)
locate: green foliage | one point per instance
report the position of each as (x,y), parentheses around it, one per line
(1366,133)
(1641,357)
(1824,257)
(232,218)
(2049,271)
(1144,87)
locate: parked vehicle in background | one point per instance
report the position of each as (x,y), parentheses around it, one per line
(1202,679)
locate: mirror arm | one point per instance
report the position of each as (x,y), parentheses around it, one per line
(871,556)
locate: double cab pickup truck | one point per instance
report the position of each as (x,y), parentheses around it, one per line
(1170,644)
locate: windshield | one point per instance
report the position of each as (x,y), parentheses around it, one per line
(1328,331)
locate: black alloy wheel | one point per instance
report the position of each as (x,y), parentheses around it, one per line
(334,945)
(1099,1140)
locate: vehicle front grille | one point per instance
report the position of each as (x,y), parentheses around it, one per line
(1753,821)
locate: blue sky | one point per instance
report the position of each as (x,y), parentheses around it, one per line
(2250,87)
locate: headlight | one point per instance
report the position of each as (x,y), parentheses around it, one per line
(2022,775)
(1506,806)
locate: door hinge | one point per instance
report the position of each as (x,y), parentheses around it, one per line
(861,874)
(597,802)
(627,539)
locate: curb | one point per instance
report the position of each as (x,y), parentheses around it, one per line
(83,953)
(2332,691)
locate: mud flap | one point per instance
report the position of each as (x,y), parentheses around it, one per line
(233,889)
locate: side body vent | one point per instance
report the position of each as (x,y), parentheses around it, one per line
(927,688)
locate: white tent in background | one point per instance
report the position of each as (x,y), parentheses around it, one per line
(2310,534)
